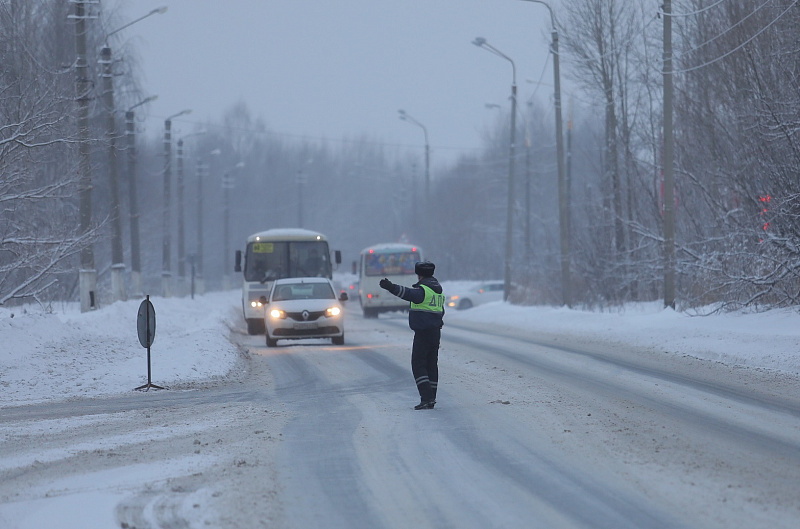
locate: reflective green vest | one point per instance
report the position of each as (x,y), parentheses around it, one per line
(433,302)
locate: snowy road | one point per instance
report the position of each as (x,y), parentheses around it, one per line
(530,431)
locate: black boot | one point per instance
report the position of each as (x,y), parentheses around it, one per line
(425,405)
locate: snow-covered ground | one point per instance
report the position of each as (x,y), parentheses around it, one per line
(59,354)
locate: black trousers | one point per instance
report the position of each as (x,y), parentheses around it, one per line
(425,362)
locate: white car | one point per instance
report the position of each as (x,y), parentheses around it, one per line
(304,307)
(475,295)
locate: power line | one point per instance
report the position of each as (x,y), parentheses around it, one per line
(731,28)
(693,13)
(740,46)
(324,139)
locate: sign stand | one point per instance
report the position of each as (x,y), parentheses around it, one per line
(146,326)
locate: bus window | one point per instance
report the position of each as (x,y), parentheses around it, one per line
(266,261)
(386,264)
(310,259)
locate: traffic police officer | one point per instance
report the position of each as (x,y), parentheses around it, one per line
(425,318)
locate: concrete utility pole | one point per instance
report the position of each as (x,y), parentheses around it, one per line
(87,278)
(202,169)
(117,262)
(563,208)
(133,199)
(407,117)
(166,262)
(166,240)
(528,249)
(669,154)
(181,218)
(181,225)
(481,43)
(301,182)
(510,208)
(563,198)
(569,167)
(228,183)
(133,205)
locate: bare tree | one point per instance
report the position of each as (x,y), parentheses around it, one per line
(739,156)
(38,232)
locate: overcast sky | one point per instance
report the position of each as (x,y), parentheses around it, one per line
(340,70)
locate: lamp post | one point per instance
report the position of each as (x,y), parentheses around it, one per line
(181,218)
(117,262)
(157,11)
(133,199)
(481,43)
(227,185)
(166,263)
(203,169)
(302,180)
(669,161)
(407,117)
(563,210)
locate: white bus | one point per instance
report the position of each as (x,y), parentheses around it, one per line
(275,254)
(394,261)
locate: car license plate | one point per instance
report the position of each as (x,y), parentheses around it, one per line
(302,325)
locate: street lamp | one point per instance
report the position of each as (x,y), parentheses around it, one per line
(481,43)
(203,169)
(157,11)
(133,199)
(302,180)
(181,223)
(117,262)
(166,264)
(407,117)
(563,210)
(227,185)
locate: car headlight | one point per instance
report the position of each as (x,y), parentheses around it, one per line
(256,304)
(453,298)
(333,311)
(277,314)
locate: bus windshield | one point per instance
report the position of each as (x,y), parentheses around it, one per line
(394,263)
(268,261)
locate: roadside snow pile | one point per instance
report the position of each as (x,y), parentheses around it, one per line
(68,354)
(768,340)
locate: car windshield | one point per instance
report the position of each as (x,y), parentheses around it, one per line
(288,291)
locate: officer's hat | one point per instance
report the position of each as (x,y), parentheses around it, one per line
(424,268)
